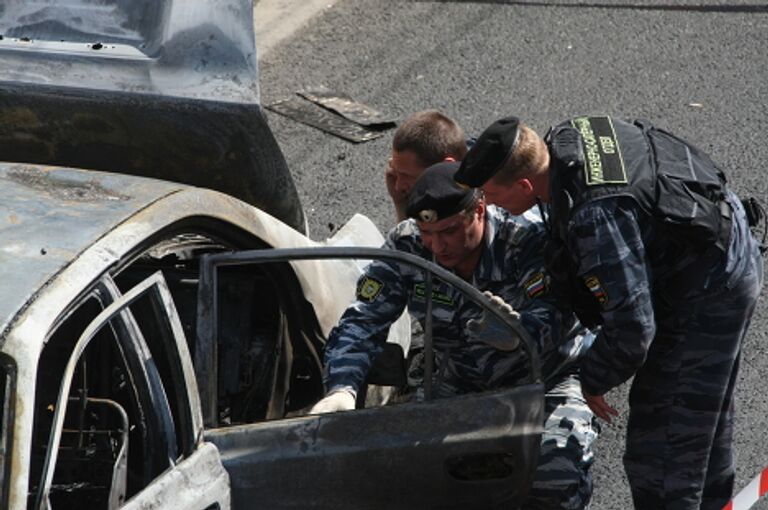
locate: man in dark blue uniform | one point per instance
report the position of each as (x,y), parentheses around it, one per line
(496,252)
(647,242)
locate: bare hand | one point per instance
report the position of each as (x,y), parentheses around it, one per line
(599,406)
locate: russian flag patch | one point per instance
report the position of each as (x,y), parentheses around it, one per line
(594,286)
(535,286)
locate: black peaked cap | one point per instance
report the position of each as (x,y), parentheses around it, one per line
(436,195)
(490,152)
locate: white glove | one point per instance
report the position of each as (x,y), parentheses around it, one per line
(342,399)
(490,330)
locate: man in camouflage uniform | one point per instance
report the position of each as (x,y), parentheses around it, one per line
(495,252)
(650,243)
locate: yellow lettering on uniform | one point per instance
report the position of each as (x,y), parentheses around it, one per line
(592,150)
(608,145)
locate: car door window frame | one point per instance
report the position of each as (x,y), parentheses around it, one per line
(117,313)
(206,359)
(7,414)
(172,334)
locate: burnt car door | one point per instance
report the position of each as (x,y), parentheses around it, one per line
(117,420)
(473,451)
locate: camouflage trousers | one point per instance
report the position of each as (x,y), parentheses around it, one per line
(563,479)
(678,453)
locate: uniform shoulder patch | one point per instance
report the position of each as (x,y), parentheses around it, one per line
(535,286)
(596,288)
(603,163)
(369,289)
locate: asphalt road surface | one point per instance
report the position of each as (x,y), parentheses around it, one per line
(696,67)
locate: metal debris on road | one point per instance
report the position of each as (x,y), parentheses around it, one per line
(334,113)
(320,118)
(347,107)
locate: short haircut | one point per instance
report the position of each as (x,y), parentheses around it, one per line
(526,160)
(477,197)
(431,136)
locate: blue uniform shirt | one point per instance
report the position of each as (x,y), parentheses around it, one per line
(510,266)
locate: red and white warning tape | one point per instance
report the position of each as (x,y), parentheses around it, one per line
(750,494)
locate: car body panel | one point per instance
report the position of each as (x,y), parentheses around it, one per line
(404,451)
(196,483)
(84,206)
(199,467)
(441,453)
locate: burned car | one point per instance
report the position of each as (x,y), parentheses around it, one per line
(161,338)
(111,398)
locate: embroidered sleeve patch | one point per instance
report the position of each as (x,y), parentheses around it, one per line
(596,288)
(369,289)
(603,161)
(420,291)
(535,286)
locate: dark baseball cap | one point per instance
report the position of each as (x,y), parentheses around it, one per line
(488,155)
(436,195)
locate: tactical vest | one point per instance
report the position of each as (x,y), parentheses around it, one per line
(675,184)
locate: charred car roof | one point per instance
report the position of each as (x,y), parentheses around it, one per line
(49,216)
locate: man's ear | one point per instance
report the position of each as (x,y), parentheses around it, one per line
(526,186)
(480,209)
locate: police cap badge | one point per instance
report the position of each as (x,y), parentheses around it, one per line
(436,196)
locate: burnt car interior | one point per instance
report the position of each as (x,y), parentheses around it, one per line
(116,438)
(268,361)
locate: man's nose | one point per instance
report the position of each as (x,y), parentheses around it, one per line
(437,245)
